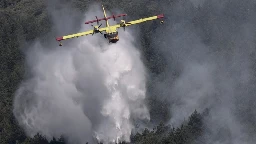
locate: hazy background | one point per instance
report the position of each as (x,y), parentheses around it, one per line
(202,57)
(86,89)
(208,47)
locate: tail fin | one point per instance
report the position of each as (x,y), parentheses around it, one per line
(105,16)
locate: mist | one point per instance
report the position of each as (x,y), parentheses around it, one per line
(209,51)
(87,90)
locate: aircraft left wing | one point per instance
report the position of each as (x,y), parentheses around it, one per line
(74,35)
(79,34)
(139,21)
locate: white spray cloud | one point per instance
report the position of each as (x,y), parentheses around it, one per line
(210,64)
(87,88)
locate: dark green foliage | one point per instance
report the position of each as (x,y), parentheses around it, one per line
(39,139)
(8,3)
(22,21)
(188,132)
(19,23)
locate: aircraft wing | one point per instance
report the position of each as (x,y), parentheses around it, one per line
(74,35)
(103,29)
(140,21)
(79,34)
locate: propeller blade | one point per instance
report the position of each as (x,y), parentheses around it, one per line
(99,26)
(97,20)
(100,32)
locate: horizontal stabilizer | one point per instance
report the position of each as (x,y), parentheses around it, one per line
(97,20)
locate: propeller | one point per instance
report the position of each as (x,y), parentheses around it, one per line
(97,19)
(123,24)
(96,29)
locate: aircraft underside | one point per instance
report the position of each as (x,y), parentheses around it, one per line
(111,39)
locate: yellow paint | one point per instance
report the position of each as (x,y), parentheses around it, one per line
(136,21)
(78,34)
(110,29)
(105,15)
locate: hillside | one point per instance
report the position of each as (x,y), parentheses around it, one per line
(200,64)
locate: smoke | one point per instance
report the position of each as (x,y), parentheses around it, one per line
(209,51)
(197,3)
(85,89)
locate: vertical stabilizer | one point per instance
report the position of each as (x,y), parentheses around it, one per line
(105,16)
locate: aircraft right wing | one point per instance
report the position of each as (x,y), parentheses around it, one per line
(138,21)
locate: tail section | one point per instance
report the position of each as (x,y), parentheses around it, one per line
(105,16)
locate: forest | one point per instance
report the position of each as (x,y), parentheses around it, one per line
(223,114)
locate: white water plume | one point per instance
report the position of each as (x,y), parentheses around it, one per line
(87,88)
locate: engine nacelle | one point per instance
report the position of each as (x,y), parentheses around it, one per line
(96,29)
(122,23)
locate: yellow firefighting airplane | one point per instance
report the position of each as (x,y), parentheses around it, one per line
(111,32)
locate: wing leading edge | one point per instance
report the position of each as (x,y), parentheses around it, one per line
(74,35)
(139,21)
(79,34)
(111,27)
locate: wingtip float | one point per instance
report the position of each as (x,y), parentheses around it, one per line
(159,17)
(59,39)
(111,32)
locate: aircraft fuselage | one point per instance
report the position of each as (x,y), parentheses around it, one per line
(112,37)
